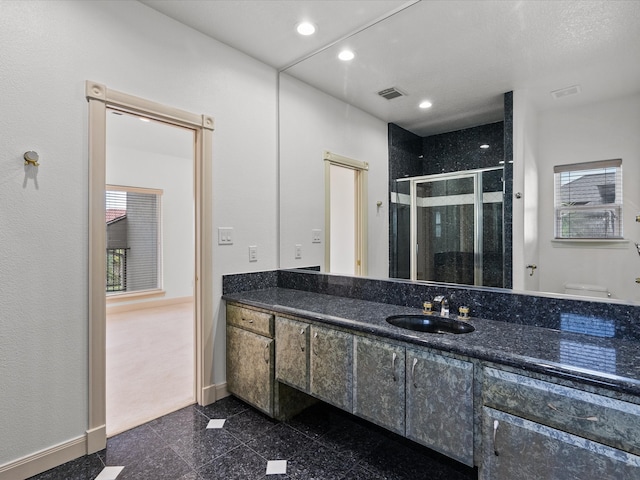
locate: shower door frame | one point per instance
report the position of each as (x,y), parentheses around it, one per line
(476,174)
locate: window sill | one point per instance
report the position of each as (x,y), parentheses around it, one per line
(590,242)
(129,296)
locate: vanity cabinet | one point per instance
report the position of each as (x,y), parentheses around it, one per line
(439,403)
(379,383)
(292,353)
(331,366)
(534,428)
(250,367)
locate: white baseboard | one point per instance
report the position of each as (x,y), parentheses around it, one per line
(213,393)
(44,460)
(162,302)
(96,439)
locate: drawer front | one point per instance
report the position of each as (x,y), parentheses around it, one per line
(252,320)
(602,419)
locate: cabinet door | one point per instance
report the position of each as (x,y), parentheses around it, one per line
(440,404)
(379,383)
(525,450)
(332,367)
(250,367)
(292,353)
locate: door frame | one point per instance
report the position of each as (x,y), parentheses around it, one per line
(100,98)
(361,215)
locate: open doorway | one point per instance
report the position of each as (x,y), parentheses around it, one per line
(345,215)
(101,99)
(150,240)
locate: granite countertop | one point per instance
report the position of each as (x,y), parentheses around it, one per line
(609,363)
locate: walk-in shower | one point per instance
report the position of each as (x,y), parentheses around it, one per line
(449,228)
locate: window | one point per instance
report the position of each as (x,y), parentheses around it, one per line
(588,200)
(133,239)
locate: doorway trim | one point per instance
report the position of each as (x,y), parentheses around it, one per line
(100,98)
(361,216)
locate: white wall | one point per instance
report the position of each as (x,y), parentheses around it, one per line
(310,123)
(48,51)
(598,131)
(168,169)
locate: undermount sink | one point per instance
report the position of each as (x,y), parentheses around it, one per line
(430,324)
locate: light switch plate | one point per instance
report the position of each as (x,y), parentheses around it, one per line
(225,236)
(316,236)
(253,253)
(298,251)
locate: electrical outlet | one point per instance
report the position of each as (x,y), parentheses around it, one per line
(253,253)
(225,236)
(298,251)
(316,236)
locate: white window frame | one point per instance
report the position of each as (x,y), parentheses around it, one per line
(122,295)
(613,209)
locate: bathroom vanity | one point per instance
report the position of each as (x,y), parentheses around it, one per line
(518,401)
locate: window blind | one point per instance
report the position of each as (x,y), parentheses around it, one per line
(588,200)
(133,239)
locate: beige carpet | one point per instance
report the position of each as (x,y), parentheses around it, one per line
(150,364)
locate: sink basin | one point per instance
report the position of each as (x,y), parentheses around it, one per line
(430,324)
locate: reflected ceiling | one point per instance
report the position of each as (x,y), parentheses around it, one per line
(460,55)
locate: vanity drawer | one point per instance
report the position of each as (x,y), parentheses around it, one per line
(252,320)
(606,420)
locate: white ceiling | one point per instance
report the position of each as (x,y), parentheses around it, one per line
(460,55)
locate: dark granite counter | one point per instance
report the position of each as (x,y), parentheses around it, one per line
(594,359)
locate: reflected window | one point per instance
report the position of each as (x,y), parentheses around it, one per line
(588,356)
(594,326)
(588,200)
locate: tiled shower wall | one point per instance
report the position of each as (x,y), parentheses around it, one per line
(411,155)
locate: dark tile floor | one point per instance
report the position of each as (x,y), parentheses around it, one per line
(322,443)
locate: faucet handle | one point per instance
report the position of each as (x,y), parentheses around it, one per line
(427,308)
(438,298)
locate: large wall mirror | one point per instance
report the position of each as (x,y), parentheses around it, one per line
(576,98)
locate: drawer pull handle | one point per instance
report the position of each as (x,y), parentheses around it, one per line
(300,340)
(413,370)
(393,366)
(556,409)
(250,320)
(496,423)
(266,353)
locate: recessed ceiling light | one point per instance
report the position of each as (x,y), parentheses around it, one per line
(425,104)
(306,28)
(346,55)
(143,119)
(484,146)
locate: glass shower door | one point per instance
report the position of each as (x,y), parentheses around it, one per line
(446,220)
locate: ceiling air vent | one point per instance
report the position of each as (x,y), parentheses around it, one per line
(565,92)
(391,93)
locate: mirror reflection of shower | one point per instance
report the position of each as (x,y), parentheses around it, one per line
(449,227)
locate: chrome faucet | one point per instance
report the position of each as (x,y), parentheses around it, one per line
(444,305)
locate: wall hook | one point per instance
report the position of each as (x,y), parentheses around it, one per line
(533,266)
(32,158)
